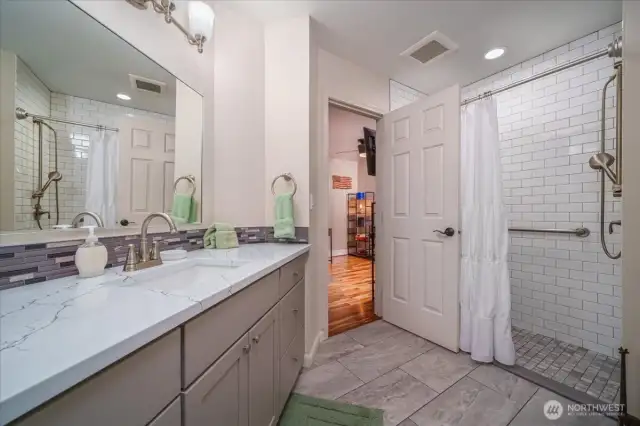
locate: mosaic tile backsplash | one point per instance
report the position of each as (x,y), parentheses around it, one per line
(35,263)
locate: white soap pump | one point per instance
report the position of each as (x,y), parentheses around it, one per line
(91,257)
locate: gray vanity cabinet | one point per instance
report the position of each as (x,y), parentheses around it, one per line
(263,363)
(221,395)
(170,416)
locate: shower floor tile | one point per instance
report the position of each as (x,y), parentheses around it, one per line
(586,371)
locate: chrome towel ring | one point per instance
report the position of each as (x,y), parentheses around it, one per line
(287,177)
(191,179)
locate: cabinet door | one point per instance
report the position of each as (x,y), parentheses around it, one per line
(262,371)
(170,416)
(221,395)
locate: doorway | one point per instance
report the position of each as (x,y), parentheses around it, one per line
(351,213)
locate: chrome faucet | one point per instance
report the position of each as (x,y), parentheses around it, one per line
(95,216)
(145,258)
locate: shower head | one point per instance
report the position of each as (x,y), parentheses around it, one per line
(602,161)
(54,176)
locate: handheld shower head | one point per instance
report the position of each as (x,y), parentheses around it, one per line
(53,176)
(602,161)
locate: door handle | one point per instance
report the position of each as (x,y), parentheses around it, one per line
(256,339)
(449,232)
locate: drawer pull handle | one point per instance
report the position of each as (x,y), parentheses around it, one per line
(295,359)
(296,274)
(295,310)
(246,349)
(256,339)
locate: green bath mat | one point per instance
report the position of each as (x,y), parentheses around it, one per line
(307,411)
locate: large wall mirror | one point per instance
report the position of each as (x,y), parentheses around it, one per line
(99,126)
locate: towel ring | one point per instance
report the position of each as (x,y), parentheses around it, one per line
(287,177)
(191,179)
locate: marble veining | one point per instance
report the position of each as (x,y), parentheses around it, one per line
(55,334)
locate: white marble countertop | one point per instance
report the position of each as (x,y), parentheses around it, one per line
(57,333)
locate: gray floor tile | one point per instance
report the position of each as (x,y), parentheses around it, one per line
(513,387)
(334,348)
(440,368)
(373,332)
(397,393)
(329,381)
(380,358)
(533,413)
(467,403)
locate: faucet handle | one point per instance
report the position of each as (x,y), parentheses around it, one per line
(131,262)
(155,252)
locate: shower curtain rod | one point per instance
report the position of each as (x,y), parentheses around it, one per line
(562,67)
(22,114)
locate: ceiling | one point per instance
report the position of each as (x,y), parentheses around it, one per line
(374,33)
(345,128)
(72,53)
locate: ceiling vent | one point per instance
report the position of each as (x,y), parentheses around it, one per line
(147,85)
(435,45)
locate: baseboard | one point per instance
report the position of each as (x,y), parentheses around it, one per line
(342,252)
(308,357)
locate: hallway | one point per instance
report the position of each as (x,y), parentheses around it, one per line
(419,383)
(350,294)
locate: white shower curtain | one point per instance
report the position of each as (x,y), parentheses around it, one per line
(485,300)
(102,170)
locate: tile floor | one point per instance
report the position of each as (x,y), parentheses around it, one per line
(586,371)
(418,383)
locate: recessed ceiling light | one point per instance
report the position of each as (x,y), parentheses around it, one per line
(123,96)
(494,53)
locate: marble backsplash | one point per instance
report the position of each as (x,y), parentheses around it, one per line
(35,263)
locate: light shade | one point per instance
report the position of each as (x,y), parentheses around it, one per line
(201,18)
(494,53)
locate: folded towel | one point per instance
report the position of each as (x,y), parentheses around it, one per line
(284,226)
(209,238)
(226,239)
(222,226)
(181,210)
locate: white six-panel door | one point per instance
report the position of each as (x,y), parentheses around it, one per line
(146,167)
(418,156)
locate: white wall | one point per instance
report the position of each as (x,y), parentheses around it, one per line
(365,182)
(401,95)
(188,131)
(238,163)
(338,202)
(562,286)
(631,196)
(287,111)
(344,81)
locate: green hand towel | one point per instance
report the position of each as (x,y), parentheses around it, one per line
(209,238)
(226,239)
(193,213)
(284,226)
(222,226)
(181,209)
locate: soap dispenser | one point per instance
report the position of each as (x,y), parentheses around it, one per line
(91,257)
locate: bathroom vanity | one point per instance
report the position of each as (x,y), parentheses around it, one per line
(215,339)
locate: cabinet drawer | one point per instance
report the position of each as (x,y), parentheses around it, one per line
(291,273)
(208,336)
(131,392)
(290,366)
(291,316)
(171,416)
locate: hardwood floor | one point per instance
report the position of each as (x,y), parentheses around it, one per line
(350,295)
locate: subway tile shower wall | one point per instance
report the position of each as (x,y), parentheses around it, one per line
(35,263)
(562,286)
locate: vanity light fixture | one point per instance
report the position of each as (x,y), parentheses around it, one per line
(123,96)
(494,53)
(201,18)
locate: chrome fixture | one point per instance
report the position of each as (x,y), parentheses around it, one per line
(603,161)
(95,216)
(189,178)
(201,18)
(579,232)
(145,258)
(21,114)
(288,177)
(53,176)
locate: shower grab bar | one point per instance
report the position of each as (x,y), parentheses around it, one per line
(579,232)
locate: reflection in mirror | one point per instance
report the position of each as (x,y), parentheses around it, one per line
(89,123)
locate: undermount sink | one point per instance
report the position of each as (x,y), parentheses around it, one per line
(188,269)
